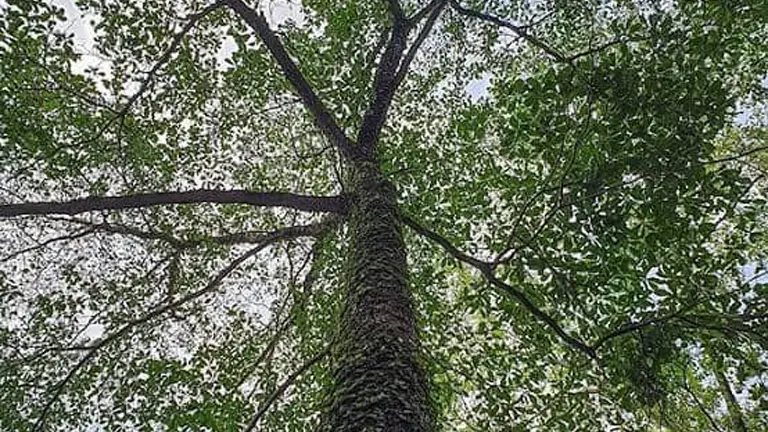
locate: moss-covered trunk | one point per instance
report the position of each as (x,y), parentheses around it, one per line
(379,384)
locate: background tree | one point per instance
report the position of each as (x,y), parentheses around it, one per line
(207,230)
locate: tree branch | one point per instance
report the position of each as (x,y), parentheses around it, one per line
(320,113)
(539,21)
(67,237)
(384,87)
(331,204)
(487,270)
(115,228)
(436,7)
(518,30)
(597,49)
(541,316)
(284,386)
(731,403)
(297,307)
(119,114)
(628,328)
(420,14)
(737,325)
(166,56)
(736,156)
(396,9)
(92,350)
(389,74)
(311,230)
(445,244)
(701,407)
(267,351)
(522,31)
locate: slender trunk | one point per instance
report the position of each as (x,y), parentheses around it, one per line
(379,384)
(734,411)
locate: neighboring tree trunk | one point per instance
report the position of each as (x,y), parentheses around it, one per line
(734,411)
(379,383)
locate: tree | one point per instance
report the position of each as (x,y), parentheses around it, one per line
(384,215)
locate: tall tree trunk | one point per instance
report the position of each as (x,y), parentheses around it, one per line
(379,383)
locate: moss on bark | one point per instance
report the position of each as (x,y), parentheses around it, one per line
(379,383)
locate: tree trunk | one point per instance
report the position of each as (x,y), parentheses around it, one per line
(379,383)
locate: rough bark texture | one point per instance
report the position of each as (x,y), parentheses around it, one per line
(379,384)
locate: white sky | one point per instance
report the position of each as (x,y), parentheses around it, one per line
(79,24)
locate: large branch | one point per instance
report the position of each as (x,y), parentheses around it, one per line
(487,271)
(312,102)
(420,14)
(540,315)
(331,204)
(389,75)
(396,9)
(384,87)
(434,12)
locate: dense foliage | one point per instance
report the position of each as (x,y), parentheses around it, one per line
(583,184)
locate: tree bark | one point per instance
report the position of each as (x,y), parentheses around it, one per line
(379,382)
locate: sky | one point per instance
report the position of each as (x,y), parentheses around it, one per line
(277,11)
(84,36)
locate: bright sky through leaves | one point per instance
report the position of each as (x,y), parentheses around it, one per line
(580,186)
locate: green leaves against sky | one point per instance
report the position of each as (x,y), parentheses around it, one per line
(610,161)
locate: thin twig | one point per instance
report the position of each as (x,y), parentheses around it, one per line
(518,30)
(701,407)
(158,311)
(50,241)
(284,386)
(735,157)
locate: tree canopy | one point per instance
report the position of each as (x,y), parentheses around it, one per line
(582,188)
